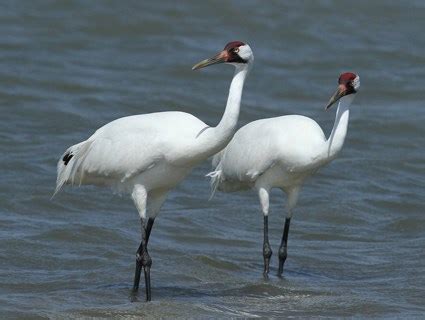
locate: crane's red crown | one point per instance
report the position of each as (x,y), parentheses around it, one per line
(346,78)
(233,44)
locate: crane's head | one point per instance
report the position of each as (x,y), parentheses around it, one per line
(348,83)
(235,52)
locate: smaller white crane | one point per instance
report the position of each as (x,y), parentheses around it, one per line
(282,153)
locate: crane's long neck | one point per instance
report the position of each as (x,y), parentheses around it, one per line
(336,139)
(225,129)
(215,139)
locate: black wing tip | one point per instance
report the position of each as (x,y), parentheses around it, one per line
(67,157)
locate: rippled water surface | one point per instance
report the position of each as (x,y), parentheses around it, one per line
(356,246)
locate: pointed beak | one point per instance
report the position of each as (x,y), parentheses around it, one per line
(339,93)
(218,58)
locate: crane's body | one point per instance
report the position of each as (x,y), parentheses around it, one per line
(282,153)
(147,155)
(243,163)
(149,149)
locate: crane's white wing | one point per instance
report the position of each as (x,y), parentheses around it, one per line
(127,147)
(288,141)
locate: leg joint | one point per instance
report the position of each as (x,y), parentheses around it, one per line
(144,259)
(283,253)
(267,251)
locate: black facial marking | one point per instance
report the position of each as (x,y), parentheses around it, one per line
(350,88)
(67,157)
(235,57)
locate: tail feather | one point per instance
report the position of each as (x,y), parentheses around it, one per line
(216,177)
(69,164)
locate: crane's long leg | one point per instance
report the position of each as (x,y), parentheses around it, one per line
(267,250)
(143,260)
(283,249)
(263,194)
(283,246)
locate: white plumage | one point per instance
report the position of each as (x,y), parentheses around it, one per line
(281,153)
(154,149)
(289,142)
(147,155)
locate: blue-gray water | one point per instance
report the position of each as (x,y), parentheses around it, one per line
(356,246)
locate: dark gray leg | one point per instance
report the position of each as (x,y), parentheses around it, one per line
(283,246)
(143,259)
(267,250)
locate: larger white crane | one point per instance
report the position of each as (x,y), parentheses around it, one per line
(281,153)
(147,155)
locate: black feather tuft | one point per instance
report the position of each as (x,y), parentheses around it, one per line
(67,157)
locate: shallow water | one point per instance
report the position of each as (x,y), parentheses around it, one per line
(356,240)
